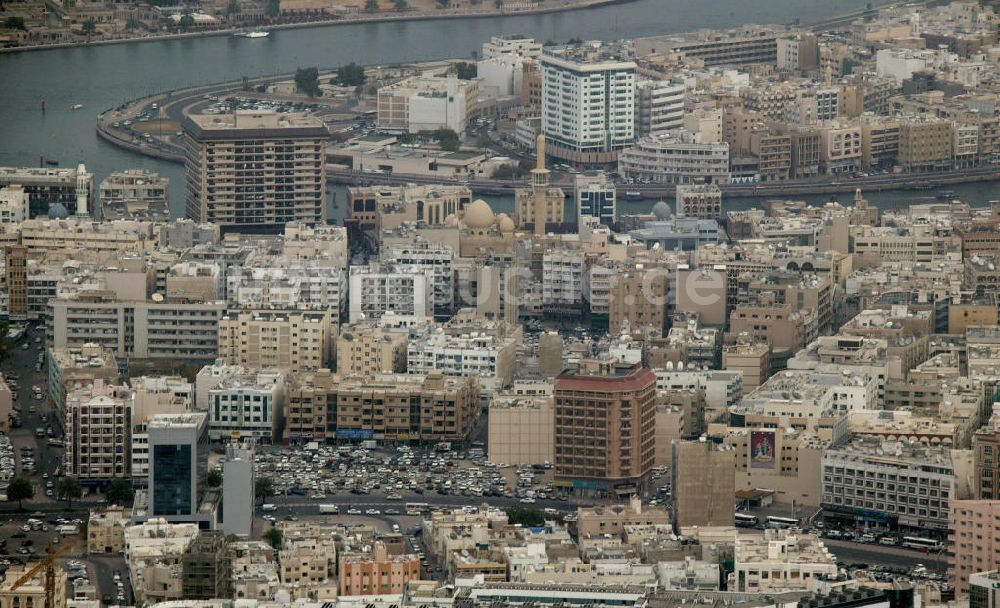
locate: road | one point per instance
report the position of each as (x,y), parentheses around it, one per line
(853,553)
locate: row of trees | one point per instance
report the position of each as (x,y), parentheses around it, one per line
(67,489)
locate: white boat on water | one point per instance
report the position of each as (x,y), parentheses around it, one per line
(253,34)
(76,106)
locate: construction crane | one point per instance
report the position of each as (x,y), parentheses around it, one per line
(48,564)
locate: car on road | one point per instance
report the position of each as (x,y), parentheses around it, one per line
(373,512)
(353,511)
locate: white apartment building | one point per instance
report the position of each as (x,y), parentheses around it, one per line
(489,358)
(588,100)
(211,376)
(498,46)
(676,159)
(154,329)
(375,291)
(14,207)
(250,405)
(98,432)
(659,107)
(597,284)
(779,561)
(423,255)
(562,280)
(596,197)
(160,395)
(426,103)
(282,283)
(871,481)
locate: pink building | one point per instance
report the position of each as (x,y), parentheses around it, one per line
(975,540)
(377,572)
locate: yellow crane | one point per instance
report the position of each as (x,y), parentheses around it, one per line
(47,564)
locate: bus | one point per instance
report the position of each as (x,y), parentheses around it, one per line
(417,508)
(779,523)
(745,520)
(927,545)
(329,510)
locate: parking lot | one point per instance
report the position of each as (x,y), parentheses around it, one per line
(324,472)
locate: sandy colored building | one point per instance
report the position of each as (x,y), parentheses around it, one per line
(521,430)
(703,483)
(323,405)
(32,593)
(368,350)
(752,359)
(779,561)
(794,471)
(377,572)
(106,530)
(290,340)
(593,521)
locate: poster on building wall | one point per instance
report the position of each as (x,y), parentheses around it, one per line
(762,450)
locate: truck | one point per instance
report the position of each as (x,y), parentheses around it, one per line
(369,444)
(67,530)
(268,508)
(329,510)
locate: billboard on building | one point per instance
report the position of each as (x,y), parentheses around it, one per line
(762,450)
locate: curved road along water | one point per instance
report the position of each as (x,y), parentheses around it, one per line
(101,77)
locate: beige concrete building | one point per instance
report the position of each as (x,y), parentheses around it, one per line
(75,234)
(779,561)
(703,484)
(699,200)
(752,359)
(106,530)
(521,430)
(540,204)
(794,471)
(323,405)
(224,185)
(308,560)
(925,144)
(32,593)
(594,521)
(370,350)
(604,429)
(290,340)
(974,540)
(70,368)
(98,423)
(639,299)
(153,551)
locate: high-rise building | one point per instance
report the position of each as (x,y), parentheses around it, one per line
(205,567)
(255,171)
(16,264)
(704,484)
(588,103)
(604,429)
(98,433)
(595,197)
(659,107)
(178,464)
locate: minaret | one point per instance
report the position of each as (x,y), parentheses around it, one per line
(82,190)
(539,186)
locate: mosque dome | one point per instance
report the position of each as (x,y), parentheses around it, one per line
(505,223)
(479,215)
(451,221)
(58,211)
(662,211)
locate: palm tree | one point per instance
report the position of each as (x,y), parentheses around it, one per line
(89,27)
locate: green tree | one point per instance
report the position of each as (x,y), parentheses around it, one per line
(132,24)
(245,83)
(89,27)
(466,70)
(187,21)
(371,6)
(20,489)
(15,23)
(447,139)
(264,488)
(119,492)
(273,8)
(525,517)
(261,88)
(400,5)
(350,75)
(307,81)
(232,7)
(67,489)
(214,478)
(273,536)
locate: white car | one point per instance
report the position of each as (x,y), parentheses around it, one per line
(373,512)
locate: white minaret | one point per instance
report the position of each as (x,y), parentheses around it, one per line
(82,189)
